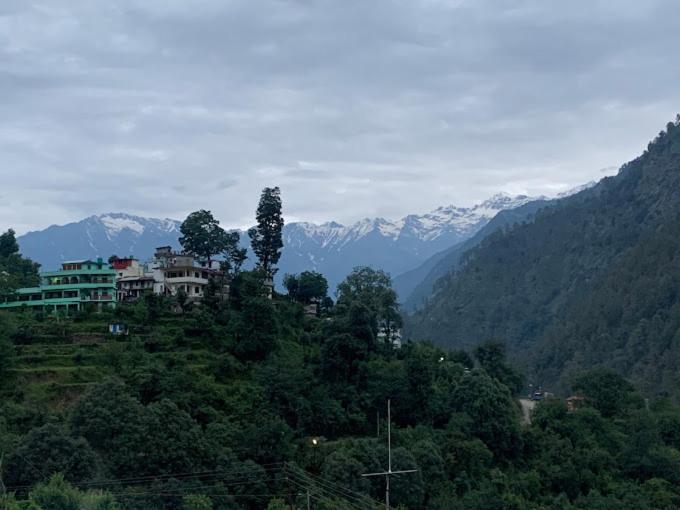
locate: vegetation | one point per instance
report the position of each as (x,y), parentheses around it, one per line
(265,238)
(593,281)
(15,271)
(248,403)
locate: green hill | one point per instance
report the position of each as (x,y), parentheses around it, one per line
(593,281)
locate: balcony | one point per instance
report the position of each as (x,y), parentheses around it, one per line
(98,298)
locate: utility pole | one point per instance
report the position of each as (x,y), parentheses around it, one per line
(389,471)
(309,501)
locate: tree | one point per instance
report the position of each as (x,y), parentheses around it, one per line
(307,287)
(15,270)
(234,255)
(196,502)
(373,289)
(491,357)
(266,237)
(494,415)
(8,244)
(47,450)
(112,421)
(202,235)
(256,330)
(58,494)
(607,391)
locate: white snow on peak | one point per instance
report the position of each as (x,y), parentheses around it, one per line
(115,224)
(577,189)
(426,227)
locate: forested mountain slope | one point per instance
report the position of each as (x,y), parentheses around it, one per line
(581,285)
(415,286)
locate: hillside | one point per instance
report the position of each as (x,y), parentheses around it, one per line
(333,249)
(415,286)
(557,290)
(250,404)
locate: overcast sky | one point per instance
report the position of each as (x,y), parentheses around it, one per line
(354,107)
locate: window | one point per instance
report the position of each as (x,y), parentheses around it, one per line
(197,290)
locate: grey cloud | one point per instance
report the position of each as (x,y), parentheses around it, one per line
(355,108)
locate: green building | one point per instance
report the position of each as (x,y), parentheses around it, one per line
(75,286)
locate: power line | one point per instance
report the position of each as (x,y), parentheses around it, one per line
(326,496)
(170,476)
(343,491)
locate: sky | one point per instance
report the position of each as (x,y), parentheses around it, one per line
(355,108)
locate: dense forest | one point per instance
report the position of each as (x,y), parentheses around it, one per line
(255,400)
(593,281)
(414,287)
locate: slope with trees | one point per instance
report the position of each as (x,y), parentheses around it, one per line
(416,286)
(579,286)
(249,404)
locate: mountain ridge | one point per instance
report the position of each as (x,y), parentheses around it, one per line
(331,248)
(579,287)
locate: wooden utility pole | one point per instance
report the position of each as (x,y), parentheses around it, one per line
(389,471)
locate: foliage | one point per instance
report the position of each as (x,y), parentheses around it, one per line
(15,270)
(591,281)
(372,289)
(203,237)
(307,287)
(58,494)
(265,238)
(249,403)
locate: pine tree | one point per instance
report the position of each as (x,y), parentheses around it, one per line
(266,238)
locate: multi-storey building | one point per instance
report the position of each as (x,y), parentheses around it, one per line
(182,272)
(133,280)
(78,284)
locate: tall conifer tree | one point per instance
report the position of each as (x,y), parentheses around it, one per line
(266,237)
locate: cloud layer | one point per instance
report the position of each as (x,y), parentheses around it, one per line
(354,108)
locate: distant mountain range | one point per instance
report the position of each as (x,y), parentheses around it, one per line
(330,248)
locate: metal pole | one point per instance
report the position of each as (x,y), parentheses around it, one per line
(389,453)
(387,474)
(309,501)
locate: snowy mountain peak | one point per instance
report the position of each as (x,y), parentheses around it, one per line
(116,223)
(449,222)
(577,189)
(502,201)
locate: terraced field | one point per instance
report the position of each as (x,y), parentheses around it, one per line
(59,362)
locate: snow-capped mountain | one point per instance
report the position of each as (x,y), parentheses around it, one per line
(393,245)
(99,236)
(330,248)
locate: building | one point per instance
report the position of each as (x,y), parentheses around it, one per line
(131,288)
(133,279)
(176,272)
(77,285)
